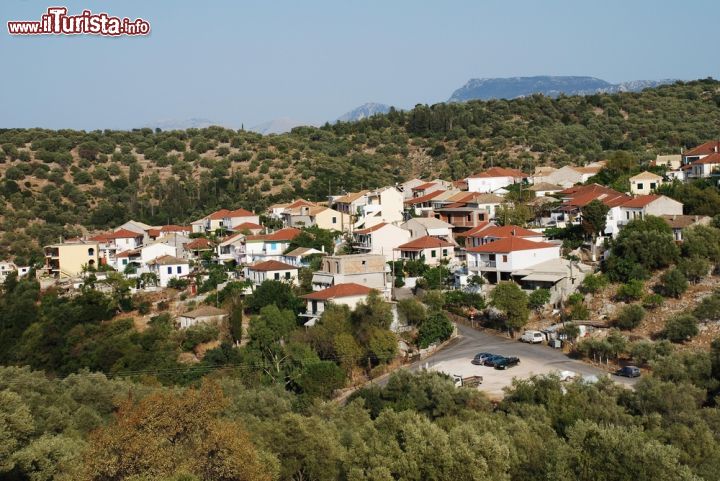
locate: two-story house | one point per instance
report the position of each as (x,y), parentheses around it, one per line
(644,183)
(495,179)
(432,250)
(428,226)
(167,268)
(271,270)
(496,261)
(369,270)
(384,205)
(380,239)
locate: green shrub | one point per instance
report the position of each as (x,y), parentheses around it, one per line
(681,328)
(630,316)
(633,290)
(673,283)
(436,328)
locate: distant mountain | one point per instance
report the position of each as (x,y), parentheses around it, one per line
(514,87)
(277,126)
(364,111)
(182,124)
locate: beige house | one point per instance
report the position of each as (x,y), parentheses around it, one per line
(317,215)
(645,183)
(69,258)
(382,205)
(380,239)
(369,270)
(204,314)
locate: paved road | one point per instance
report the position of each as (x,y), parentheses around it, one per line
(534,359)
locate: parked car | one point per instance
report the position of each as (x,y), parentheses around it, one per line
(533,337)
(480,357)
(507,362)
(628,371)
(492,360)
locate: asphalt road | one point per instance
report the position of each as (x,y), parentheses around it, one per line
(534,359)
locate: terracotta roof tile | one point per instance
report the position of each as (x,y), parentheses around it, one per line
(640,201)
(426,242)
(510,244)
(371,229)
(338,291)
(704,149)
(424,198)
(504,231)
(271,265)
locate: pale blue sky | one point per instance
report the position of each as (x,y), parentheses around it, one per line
(237,61)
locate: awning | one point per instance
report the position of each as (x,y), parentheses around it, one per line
(322,279)
(544,277)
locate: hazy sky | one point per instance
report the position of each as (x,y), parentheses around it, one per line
(236,61)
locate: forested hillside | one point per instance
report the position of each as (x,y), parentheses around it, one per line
(57,183)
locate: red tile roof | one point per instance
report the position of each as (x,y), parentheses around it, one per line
(198,244)
(300,203)
(580,196)
(282,235)
(105,236)
(153,232)
(271,266)
(504,231)
(704,149)
(477,229)
(713,158)
(337,291)
(240,213)
(218,214)
(175,228)
(640,201)
(371,229)
(510,244)
(425,198)
(424,186)
(167,260)
(426,242)
(500,172)
(123,234)
(248,226)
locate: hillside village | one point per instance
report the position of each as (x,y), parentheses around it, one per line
(499,227)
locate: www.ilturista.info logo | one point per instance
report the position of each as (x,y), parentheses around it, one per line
(57,22)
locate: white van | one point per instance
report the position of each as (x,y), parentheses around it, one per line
(533,337)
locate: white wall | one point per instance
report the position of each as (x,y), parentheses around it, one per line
(488,184)
(153,251)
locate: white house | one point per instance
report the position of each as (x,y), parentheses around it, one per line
(271,270)
(382,239)
(644,183)
(645,205)
(268,246)
(491,233)
(704,167)
(494,179)
(384,205)
(232,248)
(568,175)
(299,256)
(431,249)
(496,261)
(348,294)
(203,314)
(168,267)
(428,226)
(155,250)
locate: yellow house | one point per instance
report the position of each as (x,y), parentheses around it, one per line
(645,183)
(68,259)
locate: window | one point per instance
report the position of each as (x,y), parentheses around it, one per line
(169,269)
(277,276)
(653,185)
(640,185)
(287,275)
(91,251)
(179,269)
(445,253)
(334,220)
(364,262)
(433,253)
(504,258)
(337,267)
(124,262)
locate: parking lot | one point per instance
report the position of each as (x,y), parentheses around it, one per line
(534,359)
